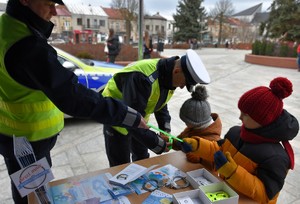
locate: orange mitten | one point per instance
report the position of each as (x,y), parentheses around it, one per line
(225,164)
(194,155)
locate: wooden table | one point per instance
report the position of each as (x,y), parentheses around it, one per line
(177,159)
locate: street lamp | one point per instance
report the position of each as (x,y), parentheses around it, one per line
(201,25)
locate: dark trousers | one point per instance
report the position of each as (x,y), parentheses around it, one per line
(147,56)
(41,149)
(111,58)
(119,148)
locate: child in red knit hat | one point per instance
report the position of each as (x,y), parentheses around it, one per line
(255,158)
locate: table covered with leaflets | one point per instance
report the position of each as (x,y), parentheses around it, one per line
(168,178)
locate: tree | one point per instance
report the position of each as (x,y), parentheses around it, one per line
(128,9)
(223,10)
(188,18)
(284,20)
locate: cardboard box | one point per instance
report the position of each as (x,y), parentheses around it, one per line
(221,186)
(190,197)
(201,177)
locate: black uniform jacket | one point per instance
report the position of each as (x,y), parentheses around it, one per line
(33,63)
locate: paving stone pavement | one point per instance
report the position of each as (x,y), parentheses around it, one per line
(80,147)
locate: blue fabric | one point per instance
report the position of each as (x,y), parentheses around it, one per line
(220,159)
(185,147)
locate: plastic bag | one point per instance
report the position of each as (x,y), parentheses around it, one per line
(105,48)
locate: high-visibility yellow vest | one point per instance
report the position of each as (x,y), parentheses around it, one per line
(23,111)
(148,68)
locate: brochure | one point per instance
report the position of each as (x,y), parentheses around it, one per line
(129,174)
(164,174)
(158,196)
(89,190)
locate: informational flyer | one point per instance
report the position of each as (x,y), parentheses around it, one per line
(33,176)
(89,190)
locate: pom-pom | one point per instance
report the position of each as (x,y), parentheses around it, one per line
(200,93)
(281,87)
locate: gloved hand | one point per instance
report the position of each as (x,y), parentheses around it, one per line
(194,143)
(225,165)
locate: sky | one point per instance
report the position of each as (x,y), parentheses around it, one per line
(167,8)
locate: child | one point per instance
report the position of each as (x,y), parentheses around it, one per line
(255,158)
(196,113)
(147,46)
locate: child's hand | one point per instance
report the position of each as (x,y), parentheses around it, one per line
(194,155)
(192,142)
(178,145)
(225,165)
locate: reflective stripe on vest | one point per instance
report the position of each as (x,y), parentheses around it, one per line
(111,89)
(23,111)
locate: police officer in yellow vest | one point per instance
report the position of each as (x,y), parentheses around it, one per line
(35,89)
(147,86)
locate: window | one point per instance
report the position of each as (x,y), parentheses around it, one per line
(156,28)
(117,27)
(147,27)
(88,23)
(79,21)
(102,23)
(67,25)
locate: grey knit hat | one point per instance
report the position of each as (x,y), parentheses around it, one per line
(196,110)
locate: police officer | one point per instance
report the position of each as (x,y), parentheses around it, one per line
(147,86)
(36,89)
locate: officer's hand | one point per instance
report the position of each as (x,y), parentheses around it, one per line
(143,124)
(167,140)
(168,144)
(164,137)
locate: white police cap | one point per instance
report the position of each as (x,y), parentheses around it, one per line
(196,67)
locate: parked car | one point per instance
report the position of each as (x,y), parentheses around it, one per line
(58,41)
(91,73)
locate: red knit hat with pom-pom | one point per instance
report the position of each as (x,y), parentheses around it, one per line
(263,104)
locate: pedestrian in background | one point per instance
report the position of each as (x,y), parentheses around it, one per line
(147,45)
(36,90)
(113,46)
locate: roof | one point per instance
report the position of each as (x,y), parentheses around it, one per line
(62,11)
(250,11)
(156,16)
(260,17)
(113,13)
(85,9)
(234,21)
